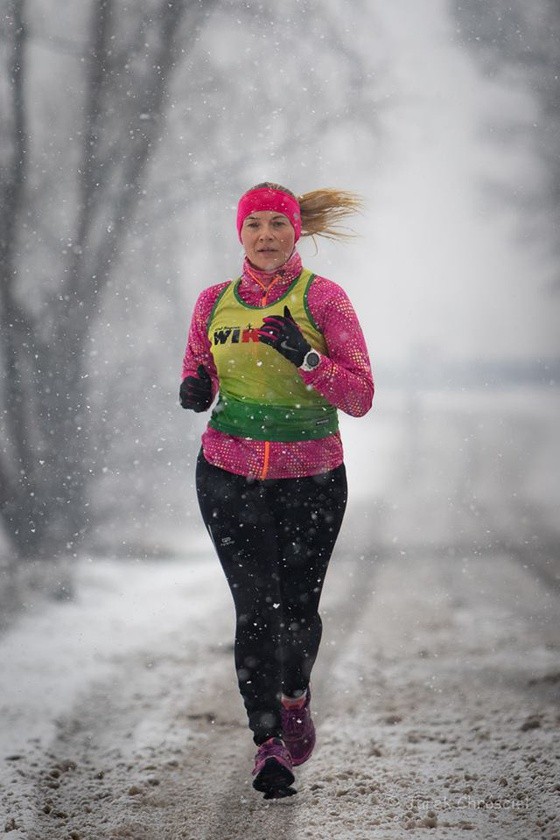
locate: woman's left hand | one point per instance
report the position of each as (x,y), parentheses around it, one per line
(283,334)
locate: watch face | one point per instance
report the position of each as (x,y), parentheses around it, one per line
(312,359)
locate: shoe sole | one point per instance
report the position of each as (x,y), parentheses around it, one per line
(273,776)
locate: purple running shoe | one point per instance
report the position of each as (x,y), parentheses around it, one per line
(298,729)
(273,770)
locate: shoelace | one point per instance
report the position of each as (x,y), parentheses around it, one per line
(274,750)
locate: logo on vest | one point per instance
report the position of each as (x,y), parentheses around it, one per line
(235,335)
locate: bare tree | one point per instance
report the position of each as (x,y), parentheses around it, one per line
(16,329)
(45,463)
(513,37)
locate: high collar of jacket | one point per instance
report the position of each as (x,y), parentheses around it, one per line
(282,276)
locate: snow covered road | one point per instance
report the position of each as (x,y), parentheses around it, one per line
(436,699)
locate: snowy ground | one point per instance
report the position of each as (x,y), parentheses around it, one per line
(436,692)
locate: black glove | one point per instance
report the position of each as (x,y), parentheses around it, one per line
(196,391)
(282,333)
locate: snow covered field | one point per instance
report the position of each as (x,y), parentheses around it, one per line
(436,691)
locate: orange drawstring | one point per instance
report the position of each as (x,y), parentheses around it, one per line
(266,289)
(266,459)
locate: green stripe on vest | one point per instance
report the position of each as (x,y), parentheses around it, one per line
(273,422)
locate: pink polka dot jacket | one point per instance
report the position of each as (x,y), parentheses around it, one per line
(343,376)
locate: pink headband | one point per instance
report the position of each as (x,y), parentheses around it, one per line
(266,198)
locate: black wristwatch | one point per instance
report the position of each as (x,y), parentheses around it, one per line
(310,360)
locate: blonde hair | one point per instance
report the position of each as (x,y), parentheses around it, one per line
(322,211)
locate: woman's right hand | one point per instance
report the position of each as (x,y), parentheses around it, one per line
(195,392)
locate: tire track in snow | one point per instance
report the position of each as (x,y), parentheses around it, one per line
(126,727)
(444,706)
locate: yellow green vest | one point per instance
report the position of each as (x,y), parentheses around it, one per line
(262,394)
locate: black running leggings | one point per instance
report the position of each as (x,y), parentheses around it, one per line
(274,539)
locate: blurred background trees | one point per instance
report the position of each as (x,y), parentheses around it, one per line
(520,43)
(79,130)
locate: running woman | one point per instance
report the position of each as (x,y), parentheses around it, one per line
(282,350)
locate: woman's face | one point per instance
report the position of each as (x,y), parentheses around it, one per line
(268,239)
